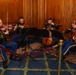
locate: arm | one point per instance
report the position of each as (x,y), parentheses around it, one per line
(74,38)
(15,27)
(6,32)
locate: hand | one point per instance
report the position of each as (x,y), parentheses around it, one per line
(7,32)
(52,23)
(15,27)
(74,38)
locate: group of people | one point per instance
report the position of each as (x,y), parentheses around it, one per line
(67,43)
(13,45)
(20,25)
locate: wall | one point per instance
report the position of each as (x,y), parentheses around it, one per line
(36,12)
(10,10)
(62,11)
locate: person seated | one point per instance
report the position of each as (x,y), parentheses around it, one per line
(56,35)
(4,43)
(18,29)
(50,25)
(69,42)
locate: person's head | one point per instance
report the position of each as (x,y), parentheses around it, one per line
(21,19)
(1,24)
(50,20)
(74,24)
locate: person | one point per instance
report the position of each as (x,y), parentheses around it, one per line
(69,42)
(18,29)
(50,25)
(56,35)
(4,43)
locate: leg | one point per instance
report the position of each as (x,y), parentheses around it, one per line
(55,41)
(15,38)
(66,44)
(11,45)
(5,59)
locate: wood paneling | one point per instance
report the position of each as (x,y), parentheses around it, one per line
(36,12)
(66,14)
(27,11)
(63,11)
(3,9)
(54,10)
(11,10)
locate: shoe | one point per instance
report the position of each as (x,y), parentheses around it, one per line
(15,58)
(12,57)
(5,64)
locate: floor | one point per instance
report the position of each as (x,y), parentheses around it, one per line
(42,64)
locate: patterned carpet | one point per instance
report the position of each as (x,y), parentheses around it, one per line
(42,64)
